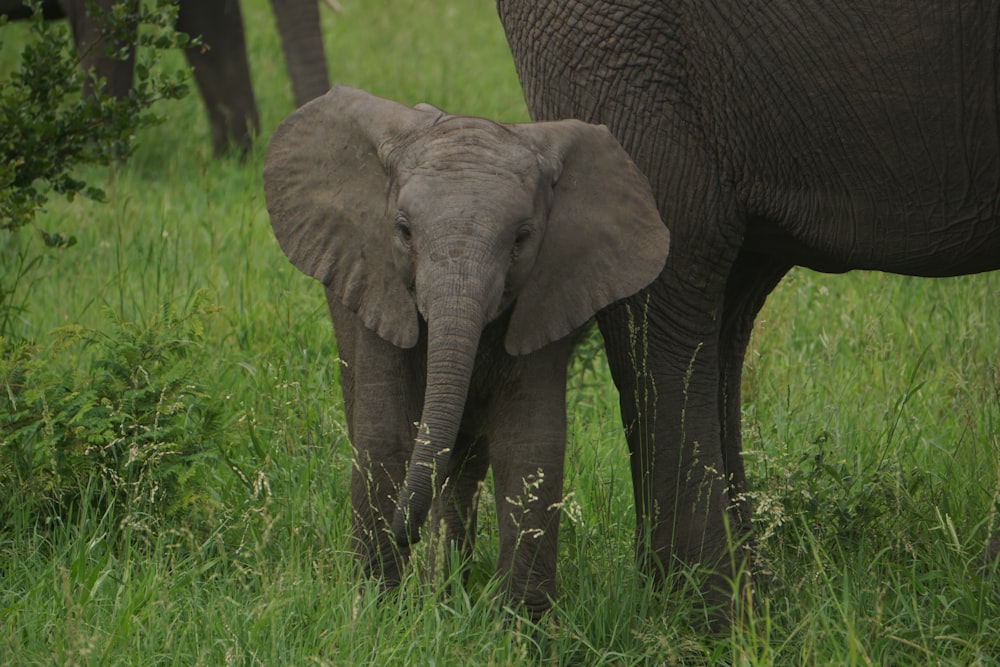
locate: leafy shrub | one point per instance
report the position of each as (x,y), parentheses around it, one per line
(133,428)
(48,130)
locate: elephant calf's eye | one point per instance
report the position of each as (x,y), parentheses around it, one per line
(403,229)
(523,235)
(520,239)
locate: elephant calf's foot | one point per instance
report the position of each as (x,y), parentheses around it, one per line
(532,601)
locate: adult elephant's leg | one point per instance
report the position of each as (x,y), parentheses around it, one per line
(752,278)
(382,391)
(221,71)
(302,42)
(88,34)
(663,350)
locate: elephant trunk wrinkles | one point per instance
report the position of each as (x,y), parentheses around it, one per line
(454,323)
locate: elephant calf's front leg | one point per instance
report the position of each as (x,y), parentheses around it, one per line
(528,510)
(527,450)
(452,525)
(381,386)
(373,488)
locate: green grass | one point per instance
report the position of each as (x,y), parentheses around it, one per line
(872,429)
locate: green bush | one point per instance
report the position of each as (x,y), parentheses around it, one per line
(114,418)
(119,418)
(50,129)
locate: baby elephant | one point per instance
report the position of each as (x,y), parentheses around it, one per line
(460,258)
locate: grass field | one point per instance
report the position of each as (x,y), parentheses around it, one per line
(871,420)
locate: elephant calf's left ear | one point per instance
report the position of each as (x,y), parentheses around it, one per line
(605,239)
(325,184)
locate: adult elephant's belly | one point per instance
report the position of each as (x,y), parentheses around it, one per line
(901,235)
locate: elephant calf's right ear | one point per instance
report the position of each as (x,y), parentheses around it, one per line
(326,192)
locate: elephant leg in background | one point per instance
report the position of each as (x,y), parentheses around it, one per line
(383,394)
(752,278)
(90,43)
(222,71)
(302,43)
(527,447)
(16,10)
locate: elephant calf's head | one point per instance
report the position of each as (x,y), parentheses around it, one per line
(469,201)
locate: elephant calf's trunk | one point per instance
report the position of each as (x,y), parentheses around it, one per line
(451,353)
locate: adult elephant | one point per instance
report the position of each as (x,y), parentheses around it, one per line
(851,135)
(220,65)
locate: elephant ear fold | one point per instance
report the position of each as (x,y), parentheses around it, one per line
(604,241)
(327,189)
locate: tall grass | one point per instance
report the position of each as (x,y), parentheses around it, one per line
(872,428)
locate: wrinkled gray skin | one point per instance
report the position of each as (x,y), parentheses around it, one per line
(835,136)
(460,259)
(221,70)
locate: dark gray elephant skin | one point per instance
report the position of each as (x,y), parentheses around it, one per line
(220,65)
(460,258)
(835,136)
